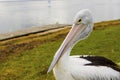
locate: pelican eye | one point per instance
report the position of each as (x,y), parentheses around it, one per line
(79,21)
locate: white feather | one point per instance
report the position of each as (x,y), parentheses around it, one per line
(75,69)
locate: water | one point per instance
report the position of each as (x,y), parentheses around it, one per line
(16,15)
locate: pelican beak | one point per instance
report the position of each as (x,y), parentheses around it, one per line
(69,40)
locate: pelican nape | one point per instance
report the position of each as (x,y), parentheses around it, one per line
(83,67)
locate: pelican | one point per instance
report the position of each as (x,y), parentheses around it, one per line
(82,67)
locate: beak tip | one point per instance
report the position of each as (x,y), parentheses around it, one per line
(50,68)
(48,71)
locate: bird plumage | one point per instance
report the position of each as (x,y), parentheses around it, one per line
(87,68)
(66,67)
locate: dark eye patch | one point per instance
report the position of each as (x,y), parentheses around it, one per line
(79,20)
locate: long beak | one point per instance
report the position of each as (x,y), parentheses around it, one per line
(66,43)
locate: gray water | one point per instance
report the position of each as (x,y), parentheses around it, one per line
(16,15)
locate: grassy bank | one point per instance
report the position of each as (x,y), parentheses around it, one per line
(28,57)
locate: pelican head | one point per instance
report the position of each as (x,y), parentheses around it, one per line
(81,28)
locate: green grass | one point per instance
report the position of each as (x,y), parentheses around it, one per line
(32,64)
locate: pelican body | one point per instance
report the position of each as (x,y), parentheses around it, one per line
(81,67)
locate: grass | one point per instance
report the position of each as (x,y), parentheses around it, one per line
(29,57)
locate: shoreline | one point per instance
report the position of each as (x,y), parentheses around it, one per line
(47,28)
(28,31)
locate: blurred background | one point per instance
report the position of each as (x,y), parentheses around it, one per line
(20,14)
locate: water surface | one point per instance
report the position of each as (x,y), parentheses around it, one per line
(15,15)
